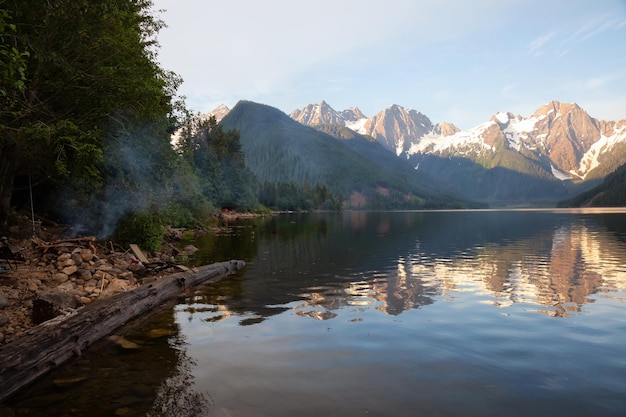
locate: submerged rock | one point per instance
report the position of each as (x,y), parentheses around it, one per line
(122,342)
(65,382)
(156,333)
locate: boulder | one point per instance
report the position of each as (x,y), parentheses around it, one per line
(116,286)
(190,250)
(50,304)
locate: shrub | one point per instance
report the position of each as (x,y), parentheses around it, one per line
(141,228)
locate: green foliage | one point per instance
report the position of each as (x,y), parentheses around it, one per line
(501,176)
(88,75)
(294,197)
(143,229)
(218,162)
(189,212)
(12,61)
(610,193)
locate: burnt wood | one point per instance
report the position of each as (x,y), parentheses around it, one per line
(53,342)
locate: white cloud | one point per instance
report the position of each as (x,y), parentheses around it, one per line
(508,89)
(590,30)
(252,48)
(450,56)
(535,47)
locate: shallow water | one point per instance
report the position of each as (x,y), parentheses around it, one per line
(487,313)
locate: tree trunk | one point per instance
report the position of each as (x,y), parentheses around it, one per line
(6,186)
(53,342)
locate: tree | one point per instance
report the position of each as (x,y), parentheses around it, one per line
(91,80)
(219,163)
(12,77)
(12,61)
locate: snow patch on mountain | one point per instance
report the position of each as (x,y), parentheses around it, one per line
(502,117)
(563,132)
(519,131)
(560,175)
(590,159)
(358,126)
(462,141)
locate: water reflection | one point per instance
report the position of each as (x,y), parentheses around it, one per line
(154,379)
(400,314)
(393,262)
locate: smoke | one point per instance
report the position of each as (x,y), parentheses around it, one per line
(138,178)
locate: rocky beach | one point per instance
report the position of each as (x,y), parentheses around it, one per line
(56,277)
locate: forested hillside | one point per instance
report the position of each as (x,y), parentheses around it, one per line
(279,149)
(610,193)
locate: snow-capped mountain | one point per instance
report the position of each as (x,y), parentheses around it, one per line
(557,151)
(561,135)
(550,155)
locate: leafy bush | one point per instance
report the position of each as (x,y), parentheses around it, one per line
(143,229)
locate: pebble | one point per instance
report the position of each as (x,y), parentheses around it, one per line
(4,300)
(82,273)
(69,270)
(60,277)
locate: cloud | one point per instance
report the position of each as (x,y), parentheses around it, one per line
(252,49)
(590,30)
(433,55)
(535,47)
(508,89)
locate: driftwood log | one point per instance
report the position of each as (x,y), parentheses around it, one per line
(53,342)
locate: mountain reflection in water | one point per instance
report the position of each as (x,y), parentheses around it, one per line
(401,261)
(465,313)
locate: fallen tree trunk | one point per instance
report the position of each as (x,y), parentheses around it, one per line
(53,342)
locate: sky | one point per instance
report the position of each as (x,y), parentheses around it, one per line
(457,61)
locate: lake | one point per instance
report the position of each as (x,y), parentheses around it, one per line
(459,313)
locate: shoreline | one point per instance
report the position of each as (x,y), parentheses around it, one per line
(49,344)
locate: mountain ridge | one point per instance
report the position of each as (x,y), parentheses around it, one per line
(279,149)
(554,153)
(558,143)
(408,131)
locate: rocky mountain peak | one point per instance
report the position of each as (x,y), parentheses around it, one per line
(219,112)
(397,128)
(569,133)
(562,133)
(353,114)
(317,114)
(446,129)
(555,108)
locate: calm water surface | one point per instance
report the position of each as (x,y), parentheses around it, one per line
(488,313)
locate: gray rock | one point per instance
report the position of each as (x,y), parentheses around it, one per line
(190,250)
(4,300)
